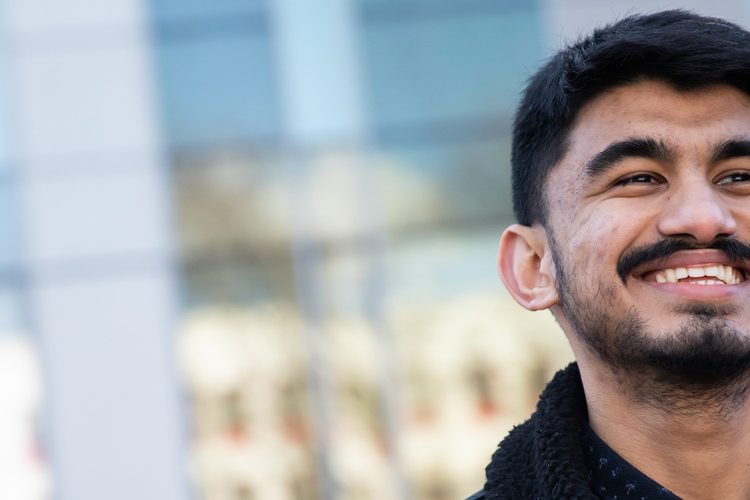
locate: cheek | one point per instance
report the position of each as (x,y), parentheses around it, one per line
(612,239)
(599,240)
(595,228)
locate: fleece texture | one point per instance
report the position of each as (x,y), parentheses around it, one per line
(542,458)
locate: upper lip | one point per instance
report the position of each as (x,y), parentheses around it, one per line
(691,258)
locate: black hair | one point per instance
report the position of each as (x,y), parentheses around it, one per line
(684,49)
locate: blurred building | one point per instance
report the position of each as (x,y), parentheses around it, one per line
(247,246)
(343,165)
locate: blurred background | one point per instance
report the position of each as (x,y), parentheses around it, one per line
(247,246)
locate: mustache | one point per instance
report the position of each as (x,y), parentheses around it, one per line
(736,250)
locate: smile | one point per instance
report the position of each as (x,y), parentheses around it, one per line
(711,274)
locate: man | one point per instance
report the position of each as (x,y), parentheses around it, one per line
(631,185)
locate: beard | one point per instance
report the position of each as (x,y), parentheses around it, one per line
(704,363)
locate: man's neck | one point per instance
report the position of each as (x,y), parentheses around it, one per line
(697,454)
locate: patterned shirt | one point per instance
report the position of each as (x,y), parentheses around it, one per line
(612,478)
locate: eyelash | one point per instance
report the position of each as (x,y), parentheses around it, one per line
(634,179)
(731,178)
(727,179)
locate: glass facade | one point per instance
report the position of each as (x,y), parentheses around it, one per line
(442,78)
(340,220)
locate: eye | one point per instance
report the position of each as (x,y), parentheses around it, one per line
(638,179)
(734,178)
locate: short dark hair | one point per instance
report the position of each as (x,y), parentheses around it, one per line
(684,49)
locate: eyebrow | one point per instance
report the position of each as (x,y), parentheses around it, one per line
(733,148)
(632,147)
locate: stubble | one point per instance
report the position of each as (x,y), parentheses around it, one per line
(702,365)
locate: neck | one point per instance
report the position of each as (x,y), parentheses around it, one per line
(697,445)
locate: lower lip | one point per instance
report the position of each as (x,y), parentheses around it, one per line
(699,292)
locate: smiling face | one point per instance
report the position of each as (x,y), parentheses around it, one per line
(649,224)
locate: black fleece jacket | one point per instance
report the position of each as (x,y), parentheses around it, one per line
(542,458)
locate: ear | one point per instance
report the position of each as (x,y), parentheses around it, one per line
(525,265)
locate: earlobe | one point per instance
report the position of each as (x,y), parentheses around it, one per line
(526,268)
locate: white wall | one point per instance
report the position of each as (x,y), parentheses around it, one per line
(98,251)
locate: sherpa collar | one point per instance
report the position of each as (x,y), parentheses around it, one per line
(542,458)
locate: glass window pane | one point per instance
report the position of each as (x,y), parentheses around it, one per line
(181,9)
(448,67)
(217,88)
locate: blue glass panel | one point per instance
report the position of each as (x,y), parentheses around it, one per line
(427,67)
(218,89)
(181,9)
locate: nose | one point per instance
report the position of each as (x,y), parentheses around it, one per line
(696,211)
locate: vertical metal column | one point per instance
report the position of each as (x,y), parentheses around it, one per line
(322,93)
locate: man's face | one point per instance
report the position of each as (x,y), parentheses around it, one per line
(649,223)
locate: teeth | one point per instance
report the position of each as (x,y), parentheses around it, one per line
(715,274)
(671,275)
(720,273)
(696,272)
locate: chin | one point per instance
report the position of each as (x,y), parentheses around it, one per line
(705,351)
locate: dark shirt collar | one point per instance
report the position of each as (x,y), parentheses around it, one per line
(612,478)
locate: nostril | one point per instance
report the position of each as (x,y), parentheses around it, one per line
(700,228)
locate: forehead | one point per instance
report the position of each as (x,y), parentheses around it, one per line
(692,122)
(689,120)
